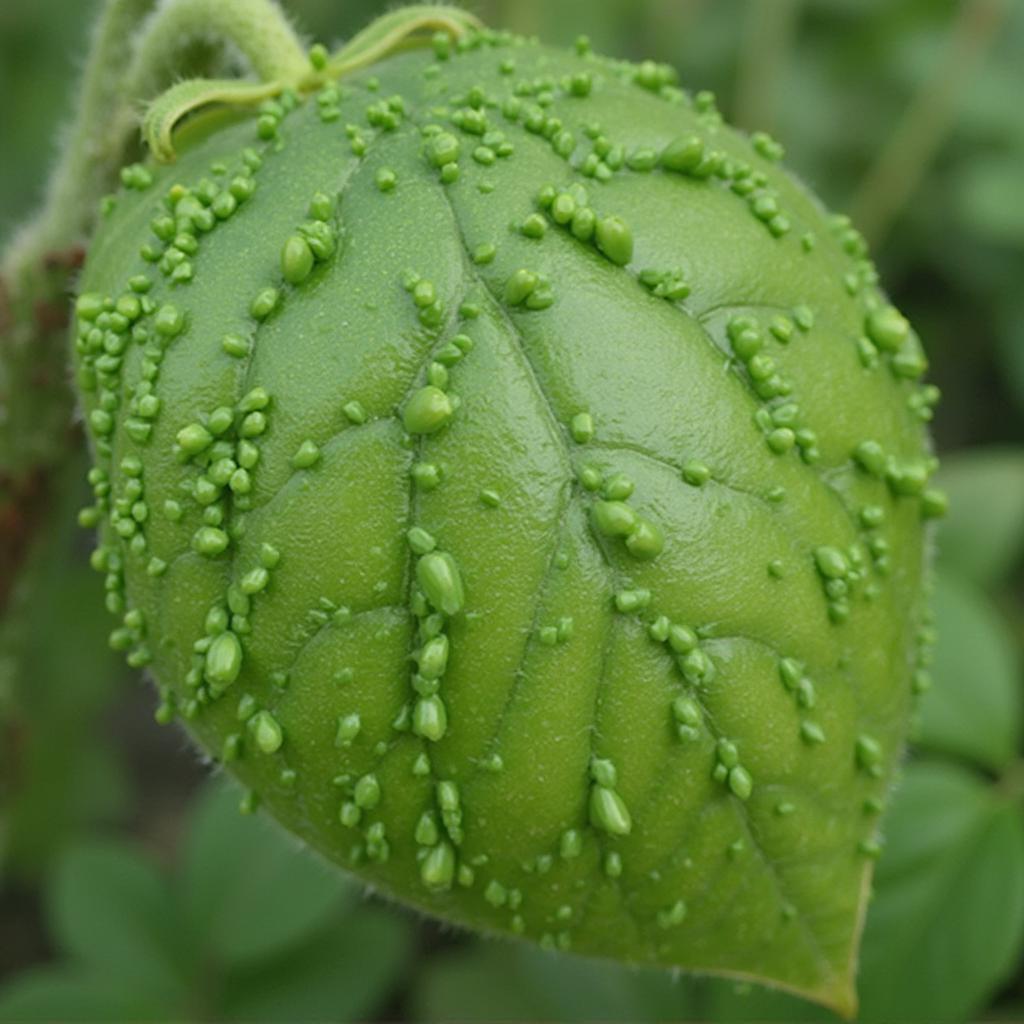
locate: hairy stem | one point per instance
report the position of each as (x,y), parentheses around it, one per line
(134,49)
(257,29)
(93,149)
(903,162)
(36,275)
(139,49)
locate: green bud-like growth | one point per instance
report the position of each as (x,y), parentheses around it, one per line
(521,481)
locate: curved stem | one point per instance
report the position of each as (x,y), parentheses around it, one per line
(140,47)
(37,436)
(38,268)
(258,29)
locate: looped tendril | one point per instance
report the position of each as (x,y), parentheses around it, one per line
(259,30)
(390,31)
(171,107)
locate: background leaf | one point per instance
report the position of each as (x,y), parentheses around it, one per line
(54,994)
(501,980)
(111,911)
(343,973)
(61,776)
(983,536)
(1010,342)
(737,1003)
(974,710)
(248,889)
(988,197)
(947,923)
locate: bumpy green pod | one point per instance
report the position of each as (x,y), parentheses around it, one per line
(516,479)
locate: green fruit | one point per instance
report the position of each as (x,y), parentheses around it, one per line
(517,478)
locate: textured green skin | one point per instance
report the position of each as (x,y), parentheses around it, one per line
(655,377)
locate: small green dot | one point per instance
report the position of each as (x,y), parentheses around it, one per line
(266,732)
(210,541)
(740,782)
(683,154)
(437,869)
(811,733)
(614,239)
(235,345)
(646,541)
(265,303)
(608,811)
(427,411)
(696,473)
(296,263)
(613,518)
(194,438)
(934,504)
(386,179)
(169,321)
(223,661)
(582,427)
(520,286)
(443,149)
(438,575)
(831,563)
(887,328)
(307,455)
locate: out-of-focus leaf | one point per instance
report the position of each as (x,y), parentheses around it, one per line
(248,889)
(344,973)
(111,911)
(139,949)
(990,109)
(60,777)
(974,710)
(55,994)
(1010,339)
(738,1003)
(984,534)
(988,198)
(947,923)
(500,981)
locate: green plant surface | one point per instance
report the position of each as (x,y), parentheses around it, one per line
(947,906)
(247,927)
(385,400)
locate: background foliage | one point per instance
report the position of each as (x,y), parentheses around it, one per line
(129,887)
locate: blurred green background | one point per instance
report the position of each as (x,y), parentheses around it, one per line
(129,887)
